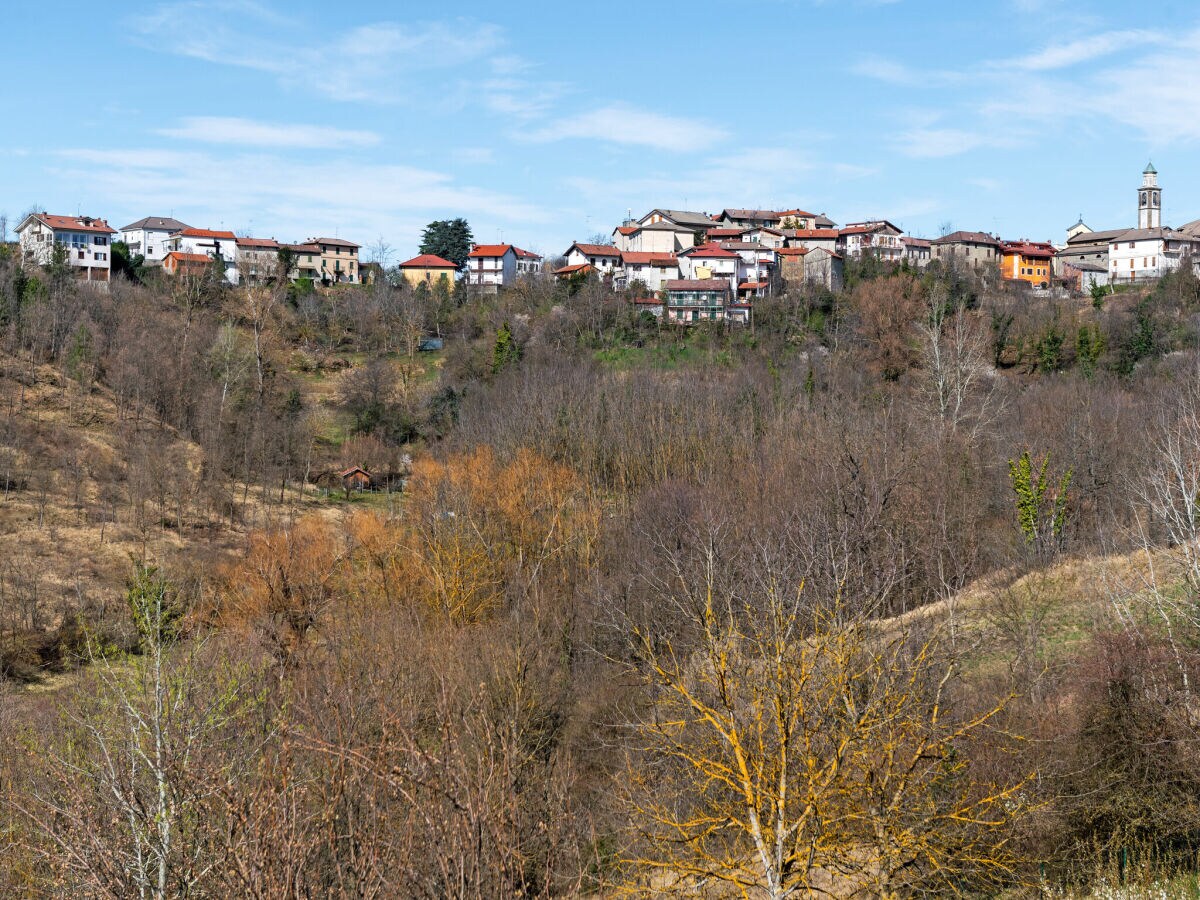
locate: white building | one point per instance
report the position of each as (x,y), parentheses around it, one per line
(604,259)
(493,266)
(1141,254)
(880,238)
(652,269)
(213,244)
(88,243)
(758,265)
(708,262)
(149,236)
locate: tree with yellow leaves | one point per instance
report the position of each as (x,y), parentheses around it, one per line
(792,750)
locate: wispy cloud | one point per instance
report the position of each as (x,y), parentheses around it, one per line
(623,124)
(251,133)
(1072,53)
(364,199)
(372,62)
(936,143)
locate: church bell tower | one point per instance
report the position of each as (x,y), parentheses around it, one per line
(1150,199)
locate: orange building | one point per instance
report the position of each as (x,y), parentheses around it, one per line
(1028,261)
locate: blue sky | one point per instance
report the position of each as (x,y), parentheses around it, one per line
(544,123)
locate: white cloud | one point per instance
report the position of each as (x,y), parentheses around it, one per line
(1071,53)
(285,197)
(374,62)
(936,143)
(623,124)
(251,133)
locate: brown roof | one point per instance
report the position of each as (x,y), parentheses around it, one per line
(916,242)
(74,223)
(571,270)
(968,237)
(333,242)
(594,249)
(709,251)
(258,243)
(697,284)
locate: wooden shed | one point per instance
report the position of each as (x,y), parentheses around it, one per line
(356,478)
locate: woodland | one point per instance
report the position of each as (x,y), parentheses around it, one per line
(893,593)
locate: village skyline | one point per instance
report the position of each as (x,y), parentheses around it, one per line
(257,118)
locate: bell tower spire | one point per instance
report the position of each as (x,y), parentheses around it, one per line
(1150,199)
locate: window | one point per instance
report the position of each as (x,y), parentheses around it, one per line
(80,254)
(101,256)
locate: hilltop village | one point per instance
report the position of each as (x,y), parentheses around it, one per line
(682,264)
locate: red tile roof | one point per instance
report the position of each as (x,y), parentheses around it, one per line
(727,232)
(188,259)
(571,270)
(526,254)
(628,229)
(827,233)
(792,251)
(751,285)
(707,251)
(1030,249)
(649,259)
(260,243)
(490,250)
(75,223)
(428,261)
(206,233)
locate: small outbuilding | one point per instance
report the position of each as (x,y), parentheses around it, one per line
(356,478)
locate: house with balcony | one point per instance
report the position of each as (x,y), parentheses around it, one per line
(339,260)
(759,265)
(87,242)
(529,264)
(1143,254)
(148,237)
(494,266)
(692,300)
(258,259)
(879,238)
(709,261)
(306,262)
(220,245)
(1029,261)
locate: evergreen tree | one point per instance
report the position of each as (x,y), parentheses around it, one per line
(450,239)
(506,350)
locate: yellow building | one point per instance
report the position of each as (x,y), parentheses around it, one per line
(428,269)
(339,260)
